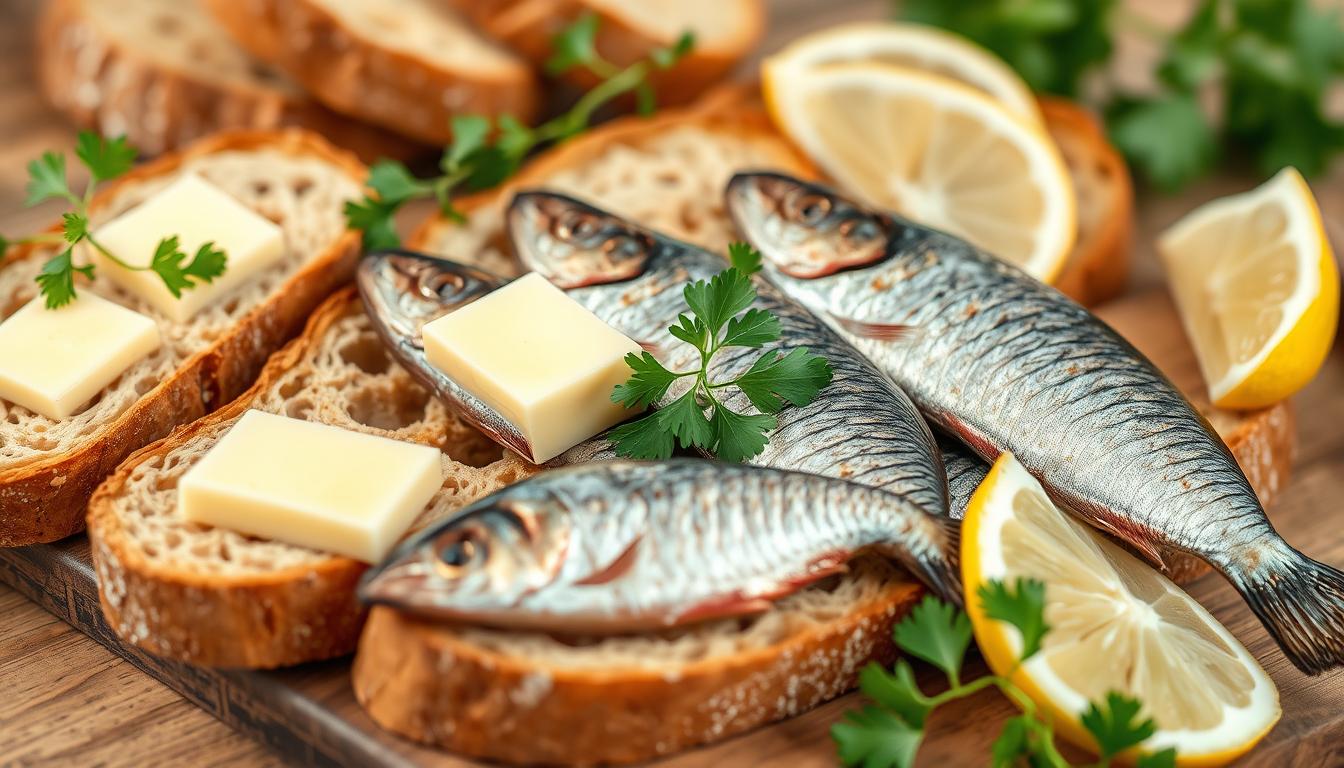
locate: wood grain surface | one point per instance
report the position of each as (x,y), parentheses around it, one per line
(69,701)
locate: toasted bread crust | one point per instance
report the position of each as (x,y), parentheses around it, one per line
(286,617)
(355,77)
(527,26)
(160,109)
(427,683)
(45,500)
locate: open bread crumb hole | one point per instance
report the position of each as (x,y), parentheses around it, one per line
(172,539)
(299,409)
(302,186)
(391,410)
(261,188)
(367,354)
(144,384)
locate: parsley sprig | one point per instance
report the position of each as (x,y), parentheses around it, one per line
(1270,62)
(888,732)
(721,316)
(483,154)
(105,160)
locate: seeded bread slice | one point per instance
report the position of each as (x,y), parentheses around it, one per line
(163,73)
(725,32)
(213,597)
(49,467)
(406,65)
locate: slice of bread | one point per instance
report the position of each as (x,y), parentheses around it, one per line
(1098,267)
(213,597)
(406,65)
(667,172)
(49,468)
(725,32)
(163,73)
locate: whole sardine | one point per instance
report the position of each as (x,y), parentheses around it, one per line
(621,545)
(1005,363)
(860,428)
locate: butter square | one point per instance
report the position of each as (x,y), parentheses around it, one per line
(52,361)
(541,359)
(197,212)
(311,485)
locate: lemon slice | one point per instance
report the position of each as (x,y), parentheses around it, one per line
(916,46)
(937,151)
(1258,290)
(1116,625)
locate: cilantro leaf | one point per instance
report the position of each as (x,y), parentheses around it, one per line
(167,262)
(75,227)
(1022,606)
(715,300)
(1115,725)
(739,436)
(394,183)
(648,382)
(573,46)
(685,420)
(744,258)
(753,328)
(375,219)
(875,738)
(1164,759)
(897,692)
(469,135)
(643,438)
(56,281)
(774,378)
(1169,138)
(105,159)
(936,632)
(46,179)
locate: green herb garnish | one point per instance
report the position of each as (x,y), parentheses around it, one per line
(483,155)
(105,160)
(887,733)
(720,316)
(1271,61)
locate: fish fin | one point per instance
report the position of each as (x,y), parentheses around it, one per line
(875,331)
(938,563)
(736,604)
(615,569)
(1300,602)
(651,347)
(740,604)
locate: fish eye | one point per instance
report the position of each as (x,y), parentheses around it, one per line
(859,230)
(576,226)
(810,209)
(457,553)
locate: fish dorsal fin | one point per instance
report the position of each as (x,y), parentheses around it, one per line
(874,331)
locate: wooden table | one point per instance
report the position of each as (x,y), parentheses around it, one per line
(68,701)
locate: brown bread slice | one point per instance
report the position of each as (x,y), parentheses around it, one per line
(725,32)
(49,468)
(164,73)
(406,65)
(213,597)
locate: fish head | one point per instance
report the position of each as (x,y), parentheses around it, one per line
(480,564)
(805,231)
(574,244)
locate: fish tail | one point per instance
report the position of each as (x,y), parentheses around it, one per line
(1300,602)
(938,564)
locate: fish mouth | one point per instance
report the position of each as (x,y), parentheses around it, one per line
(575,244)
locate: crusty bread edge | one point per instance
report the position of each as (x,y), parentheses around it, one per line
(353,76)
(275,619)
(428,684)
(45,500)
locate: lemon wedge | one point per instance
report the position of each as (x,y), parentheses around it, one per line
(937,151)
(1258,290)
(915,46)
(1115,625)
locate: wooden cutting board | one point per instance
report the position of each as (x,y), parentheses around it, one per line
(309,713)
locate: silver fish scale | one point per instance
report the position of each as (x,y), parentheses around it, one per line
(1001,360)
(705,531)
(861,427)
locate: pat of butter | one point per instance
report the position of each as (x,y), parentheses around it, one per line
(53,360)
(539,358)
(197,212)
(311,485)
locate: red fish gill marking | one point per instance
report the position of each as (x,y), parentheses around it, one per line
(978,443)
(875,331)
(739,604)
(616,568)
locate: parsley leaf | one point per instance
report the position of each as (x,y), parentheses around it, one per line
(57,279)
(1115,725)
(1013,743)
(574,46)
(715,300)
(208,263)
(375,219)
(1169,138)
(75,227)
(897,692)
(739,436)
(744,258)
(1022,606)
(795,377)
(105,159)
(644,439)
(666,58)
(1164,759)
(394,183)
(753,328)
(46,179)
(692,331)
(684,418)
(469,134)
(647,384)
(876,738)
(936,632)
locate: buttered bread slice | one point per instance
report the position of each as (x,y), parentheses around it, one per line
(50,466)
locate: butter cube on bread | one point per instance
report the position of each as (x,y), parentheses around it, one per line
(197,212)
(52,361)
(312,485)
(539,358)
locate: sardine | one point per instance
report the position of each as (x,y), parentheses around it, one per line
(622,546)
(861,427)
(1004,362)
